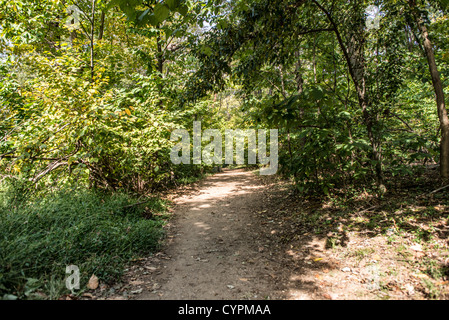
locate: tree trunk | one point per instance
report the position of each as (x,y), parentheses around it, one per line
(298,76)
(353,51)
(101,30)
(300,89)
(73,34)
(160,62)
(439,93)
(92,33)
(356,53)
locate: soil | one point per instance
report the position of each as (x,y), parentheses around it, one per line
(216,248)
(237,236)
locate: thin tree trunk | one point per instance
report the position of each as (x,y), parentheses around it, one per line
(353,51)
(92,33)
(439,94)
(284,94)
(160,62)
(299,78)
(357,59)
(314,60)
(101,30)
(73,34)
(300,89)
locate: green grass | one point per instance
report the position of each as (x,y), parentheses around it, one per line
(98,233)
(363,253)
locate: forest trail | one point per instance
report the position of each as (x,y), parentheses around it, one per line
(215,249)
(236,236)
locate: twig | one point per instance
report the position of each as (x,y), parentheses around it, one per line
(439,189)
(49,168)
(410,129)
(9,133)
(373,207)
(367,209)
(135,204)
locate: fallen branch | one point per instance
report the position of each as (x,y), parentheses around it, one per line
(439,189)
(368,209)
(49,168)
(373,207)
(135,204)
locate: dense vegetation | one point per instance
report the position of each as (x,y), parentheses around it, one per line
(90,91)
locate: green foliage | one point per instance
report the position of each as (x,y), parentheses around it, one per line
(90,92)
(154,14)
(98,233)
(297,79)
(85,124)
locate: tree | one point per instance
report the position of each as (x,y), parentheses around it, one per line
(439,93)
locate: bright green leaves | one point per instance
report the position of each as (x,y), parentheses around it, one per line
(180,6)
(206,50)
(173,4)
(153,15)
(161,12)
(316,93)
(444,4)
(127,6)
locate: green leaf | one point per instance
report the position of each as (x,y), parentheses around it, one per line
(222,24)
(143,15)
(206,50)
(161,12)
(317,93)
(182,10)
(172,4)
(444,3)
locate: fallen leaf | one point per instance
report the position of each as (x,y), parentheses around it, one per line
(93,282)
(137,291)
(150,268)
(327,296)
(156,286)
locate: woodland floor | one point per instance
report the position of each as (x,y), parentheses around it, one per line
(235,235)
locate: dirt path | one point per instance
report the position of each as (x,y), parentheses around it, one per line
(238,236)
(231,239)
(215,249)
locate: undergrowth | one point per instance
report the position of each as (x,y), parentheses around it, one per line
(100,233)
